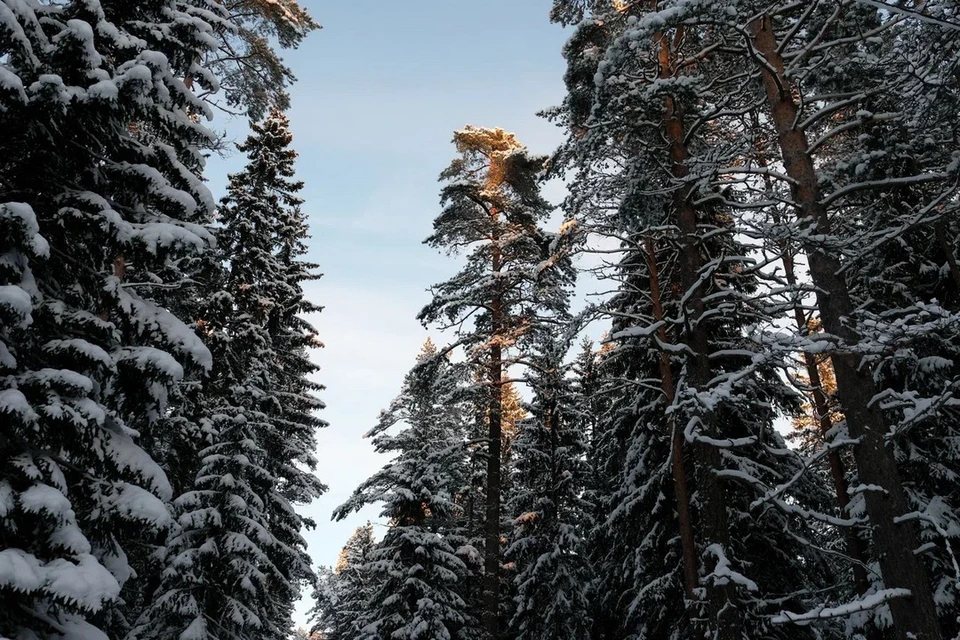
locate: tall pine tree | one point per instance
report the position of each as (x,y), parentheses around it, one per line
(492,211)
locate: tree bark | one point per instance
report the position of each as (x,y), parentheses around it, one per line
(821,410)
(894,542)
(680,487)
(491,560)
(721,623)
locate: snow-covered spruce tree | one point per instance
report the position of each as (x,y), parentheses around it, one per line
(698,395)
(592,398)
(492,211)
(415,567)
(263,240)
(325,598)
(95,221)
(219,580)
(181,433)
(547,506)
(342,597)
(237,523)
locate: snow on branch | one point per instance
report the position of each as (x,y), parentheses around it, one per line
(866,603)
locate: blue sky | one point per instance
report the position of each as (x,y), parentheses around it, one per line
(380,90)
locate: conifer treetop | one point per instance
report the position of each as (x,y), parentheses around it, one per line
(252,74)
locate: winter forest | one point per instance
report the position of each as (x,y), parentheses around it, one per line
(711,391)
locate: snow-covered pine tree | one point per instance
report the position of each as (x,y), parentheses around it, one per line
(887,164)
(253,77)
(492,211)
(95,219)
(416,570)
(326,600)
(237,522)
(343,595)
(696,390)
(547,505)
(868,149)
(846,139)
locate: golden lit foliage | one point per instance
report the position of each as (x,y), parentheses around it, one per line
(496,145)
(807,431)
(362,538)
(343,560)
(808,418)
(513,415)
(427,350)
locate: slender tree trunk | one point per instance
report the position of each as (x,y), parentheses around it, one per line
(894,542)
(714,528)
(819,402)
(821,411)
(491,568)
(687,542)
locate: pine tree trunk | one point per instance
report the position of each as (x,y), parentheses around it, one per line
(820,405)
(491,568)
(894,543)
(822,414)
(714,528)
(681,490)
